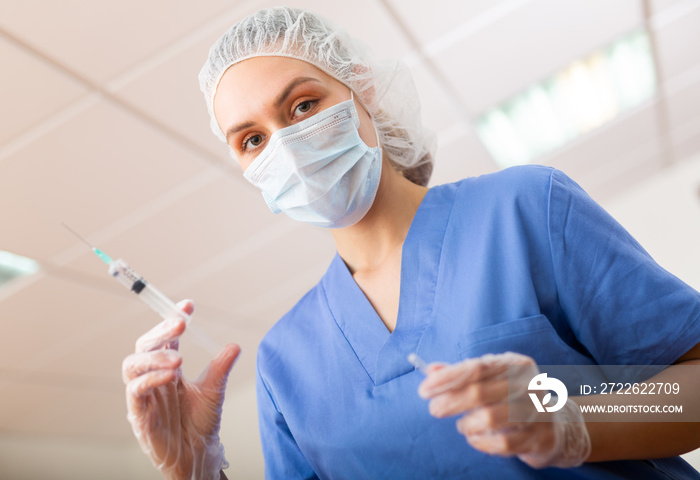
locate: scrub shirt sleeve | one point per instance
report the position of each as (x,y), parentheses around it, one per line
(283,458)
(621,305)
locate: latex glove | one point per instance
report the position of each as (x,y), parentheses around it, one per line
(478,389)
(176,421)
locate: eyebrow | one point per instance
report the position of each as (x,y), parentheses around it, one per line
(238,128)
(277,103)
(291,86)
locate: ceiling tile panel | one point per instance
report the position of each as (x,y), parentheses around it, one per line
(69,413)
(658,6)
(64,458)
(287,259)
(429,21)
(625,171)
(31,90)
(169,92)
(529,45)
(438,109)
(596,151)
(166,87)
(94,360)
(88,173)
(19,401)
(683,105)
(47,316)
(187,232)
(677,44)
(685,140)
(99,40)
(269,305)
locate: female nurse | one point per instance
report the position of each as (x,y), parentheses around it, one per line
(519,267)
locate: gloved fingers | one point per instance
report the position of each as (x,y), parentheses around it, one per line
(504,442)
(557,442)
(166,332)
(470,396)
(435,366)
(544,447)
(470,370)
(137,364)
(186,306)
(139,389)
(486,419)
(570,443)
(168,401)
(520,375)
(214,377)
(453,376)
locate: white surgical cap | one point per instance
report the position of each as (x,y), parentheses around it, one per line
(385,88)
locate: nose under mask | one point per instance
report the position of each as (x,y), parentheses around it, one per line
(319,171)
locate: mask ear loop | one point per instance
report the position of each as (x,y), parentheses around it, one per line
(376,132)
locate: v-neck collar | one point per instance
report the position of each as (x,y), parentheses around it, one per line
(383,354)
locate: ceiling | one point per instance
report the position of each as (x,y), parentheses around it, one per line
(103,127)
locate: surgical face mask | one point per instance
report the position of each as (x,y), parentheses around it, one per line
(319,171)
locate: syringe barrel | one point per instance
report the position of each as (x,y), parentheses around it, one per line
(161,304)
(157,301)
(146,292)
(126,275)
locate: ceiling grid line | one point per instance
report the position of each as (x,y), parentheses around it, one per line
(234,254)
(666,17)
(175,136)
(145,211)
(451,97)
(49,124)
(109,322)
(71,343)
(663,121)
(686,131)
(473,25)
(219,23)
(667,89)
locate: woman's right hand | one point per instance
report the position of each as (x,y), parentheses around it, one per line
(176,421)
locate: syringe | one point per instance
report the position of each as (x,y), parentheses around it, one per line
(418,362)
(150,295)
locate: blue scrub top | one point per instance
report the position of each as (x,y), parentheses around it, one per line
(520,260)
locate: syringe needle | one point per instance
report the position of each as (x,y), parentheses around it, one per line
(76,234)
(147,292)
(103,256)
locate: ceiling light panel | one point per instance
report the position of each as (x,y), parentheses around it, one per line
(585,95)
(15,266)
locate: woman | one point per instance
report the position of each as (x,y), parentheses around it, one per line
(516,268)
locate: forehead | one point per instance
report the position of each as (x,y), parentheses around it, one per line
(255,82)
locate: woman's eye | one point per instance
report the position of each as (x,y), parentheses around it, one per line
(303,107)
(252,142)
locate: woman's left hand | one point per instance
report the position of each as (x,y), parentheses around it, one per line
(478,389)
